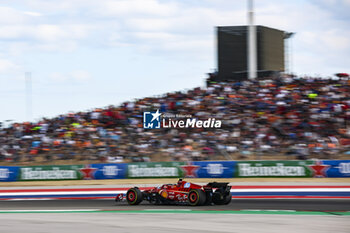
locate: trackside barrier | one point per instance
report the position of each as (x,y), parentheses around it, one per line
(211,169)
(336,168)
(273,169)
(108,171)
(156,170)
(8,173)
(280,169)
(196,169)
(49,172)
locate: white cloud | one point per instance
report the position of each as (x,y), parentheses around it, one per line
(165,27)
(151,8)
(76,76)
(58,77)
(10,15)
(32,13)
(336,40)
(52,7)
(7,66)
(80,75)
(43,37)
(47,32)
(12,32)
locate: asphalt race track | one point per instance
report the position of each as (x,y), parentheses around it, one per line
(241,215)
(236,204)
(109,217)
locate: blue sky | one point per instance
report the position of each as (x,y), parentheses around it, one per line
(85,54)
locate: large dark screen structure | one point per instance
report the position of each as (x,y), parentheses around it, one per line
(232,51)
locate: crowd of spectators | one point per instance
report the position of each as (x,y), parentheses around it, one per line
(296,117)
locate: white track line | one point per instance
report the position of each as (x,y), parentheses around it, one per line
(118,192)
(70,210)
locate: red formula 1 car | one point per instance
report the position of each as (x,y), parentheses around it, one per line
(181,193)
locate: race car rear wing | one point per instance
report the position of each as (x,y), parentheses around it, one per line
(218,184)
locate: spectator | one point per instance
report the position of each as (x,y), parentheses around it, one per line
(297,116)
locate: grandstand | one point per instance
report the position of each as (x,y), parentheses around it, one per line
(271,118)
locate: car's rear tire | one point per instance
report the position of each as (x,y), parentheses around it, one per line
(196,197)
(220,198)
(134,196)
